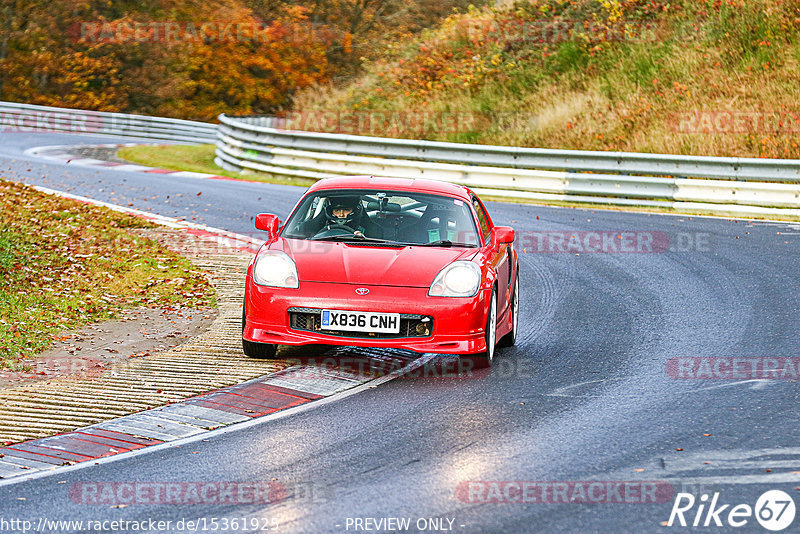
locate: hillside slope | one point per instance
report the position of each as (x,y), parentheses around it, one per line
(715,77)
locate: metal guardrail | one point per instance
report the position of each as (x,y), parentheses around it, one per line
(15,117)
(743,186)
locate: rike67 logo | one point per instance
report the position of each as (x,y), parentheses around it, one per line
(774,510)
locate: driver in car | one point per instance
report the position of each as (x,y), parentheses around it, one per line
(345,213)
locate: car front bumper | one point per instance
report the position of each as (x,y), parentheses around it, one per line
(458,323)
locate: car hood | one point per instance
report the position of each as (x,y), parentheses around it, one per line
(345,263)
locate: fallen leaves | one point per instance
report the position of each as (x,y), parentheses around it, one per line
(65,264)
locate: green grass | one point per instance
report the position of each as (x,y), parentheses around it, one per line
(197,158)
(599,88)
(65,264)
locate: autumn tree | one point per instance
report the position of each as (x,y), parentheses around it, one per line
(38,65)
(255,71)
(183,59)
(358,28)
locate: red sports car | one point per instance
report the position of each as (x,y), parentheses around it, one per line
(383,262)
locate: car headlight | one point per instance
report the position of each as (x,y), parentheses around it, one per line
(276,269)
(459,279)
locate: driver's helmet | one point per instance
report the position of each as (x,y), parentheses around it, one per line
(346,210)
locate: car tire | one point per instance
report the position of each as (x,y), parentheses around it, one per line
(253,349)
(510,339)
(484,359)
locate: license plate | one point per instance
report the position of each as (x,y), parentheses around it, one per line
(354,321)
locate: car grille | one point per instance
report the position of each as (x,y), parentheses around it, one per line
(308,319)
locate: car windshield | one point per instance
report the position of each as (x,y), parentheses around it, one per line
(383,216)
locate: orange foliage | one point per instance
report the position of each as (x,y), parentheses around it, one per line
(181,59)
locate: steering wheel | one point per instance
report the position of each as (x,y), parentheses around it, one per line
(341,227)
(335,229)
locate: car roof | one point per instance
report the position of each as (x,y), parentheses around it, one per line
(396,184)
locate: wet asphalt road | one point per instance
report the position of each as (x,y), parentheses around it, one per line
(585,395)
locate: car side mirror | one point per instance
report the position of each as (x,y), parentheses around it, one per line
(503,234)
(268,223)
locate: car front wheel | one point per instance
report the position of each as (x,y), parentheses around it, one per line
(509,339)
(485,358)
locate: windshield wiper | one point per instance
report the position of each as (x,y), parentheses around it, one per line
(445,243)
(351,237)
